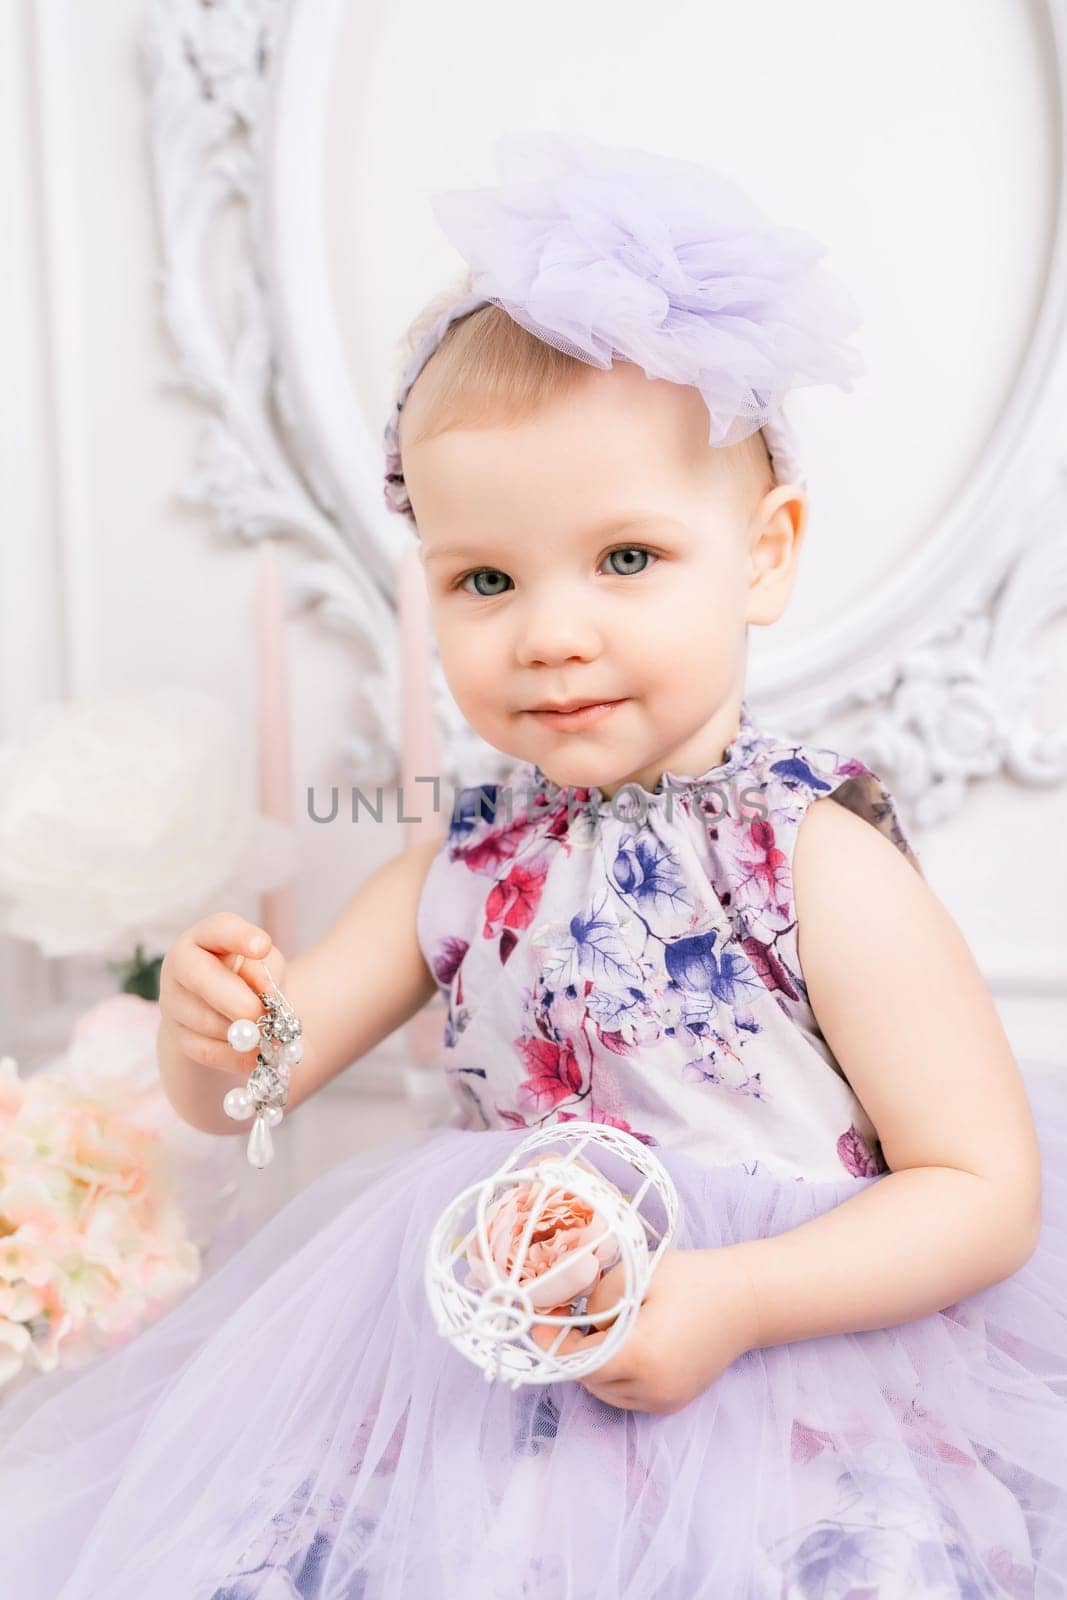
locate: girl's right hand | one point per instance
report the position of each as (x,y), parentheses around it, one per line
(208,978)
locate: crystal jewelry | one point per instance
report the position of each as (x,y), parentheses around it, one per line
(488,1317)
(276,1038)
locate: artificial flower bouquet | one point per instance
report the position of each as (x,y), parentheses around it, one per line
(107,1198)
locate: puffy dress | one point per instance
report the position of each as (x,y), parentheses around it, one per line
(297,1427)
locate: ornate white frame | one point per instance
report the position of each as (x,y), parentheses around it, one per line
(238,95)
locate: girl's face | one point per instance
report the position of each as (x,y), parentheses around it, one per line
(600,550)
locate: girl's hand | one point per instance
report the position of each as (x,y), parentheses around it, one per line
(208,978)
(697,1317)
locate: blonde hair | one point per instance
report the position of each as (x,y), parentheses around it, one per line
(490,370)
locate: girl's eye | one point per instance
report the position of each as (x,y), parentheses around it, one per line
(628,550)
(483,572)
(627,570)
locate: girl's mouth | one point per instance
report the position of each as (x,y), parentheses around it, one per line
(583,717)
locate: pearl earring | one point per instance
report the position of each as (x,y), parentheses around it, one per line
(276,1038)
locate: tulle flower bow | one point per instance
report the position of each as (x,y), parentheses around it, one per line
(624,253)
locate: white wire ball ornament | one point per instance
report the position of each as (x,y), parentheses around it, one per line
(488,1314)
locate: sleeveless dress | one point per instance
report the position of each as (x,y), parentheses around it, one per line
(297,1427)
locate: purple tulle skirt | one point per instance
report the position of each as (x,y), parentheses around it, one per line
(297,1427)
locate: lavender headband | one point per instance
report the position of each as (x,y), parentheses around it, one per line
(661,262)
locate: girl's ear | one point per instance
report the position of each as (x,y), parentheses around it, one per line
(775,539)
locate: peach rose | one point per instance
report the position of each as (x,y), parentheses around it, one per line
(564,1224)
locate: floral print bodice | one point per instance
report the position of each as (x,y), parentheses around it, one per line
(634,960)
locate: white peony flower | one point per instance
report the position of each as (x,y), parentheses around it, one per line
(122,822)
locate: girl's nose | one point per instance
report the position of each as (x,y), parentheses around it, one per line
(554,635)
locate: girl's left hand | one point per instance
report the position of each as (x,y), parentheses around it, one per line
(698,1316)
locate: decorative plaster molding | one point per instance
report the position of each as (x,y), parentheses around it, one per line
(209,67)
(957,708)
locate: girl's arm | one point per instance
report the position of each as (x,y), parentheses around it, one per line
(905,1010)
(365,977)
